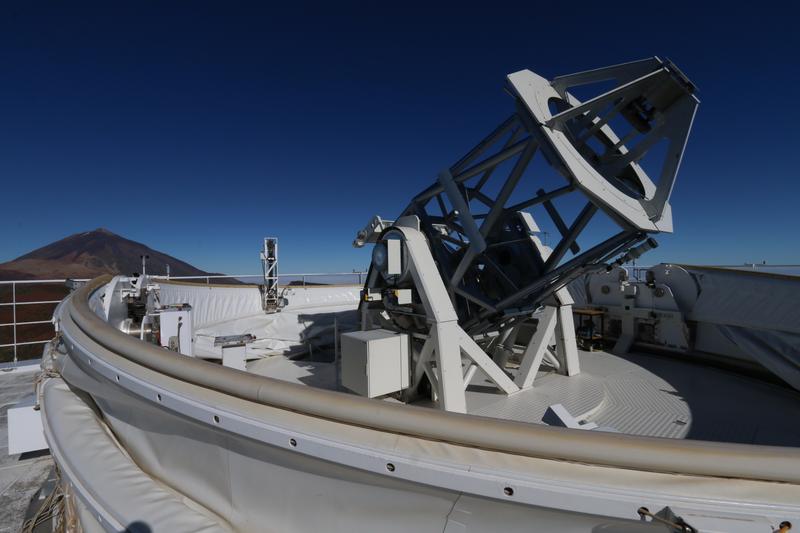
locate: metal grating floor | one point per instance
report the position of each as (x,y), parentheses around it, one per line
(637,394)
(654,396)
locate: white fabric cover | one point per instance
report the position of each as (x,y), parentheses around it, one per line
(284,333)
(747,299)
(310,313)
(258,487)
(212,303)
(137,501)
(756,312)
(577,289)
(322,296)
(777,351)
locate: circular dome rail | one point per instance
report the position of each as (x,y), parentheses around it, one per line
(728,460)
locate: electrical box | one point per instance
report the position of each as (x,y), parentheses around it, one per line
(175,325)
(375,362)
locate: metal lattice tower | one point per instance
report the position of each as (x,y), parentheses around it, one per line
(269,261)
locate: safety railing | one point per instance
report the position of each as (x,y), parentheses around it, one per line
(637,272)
(301,279)
(26,306)
(790,270)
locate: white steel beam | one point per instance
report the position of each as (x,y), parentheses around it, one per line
(534,352)
(494,372)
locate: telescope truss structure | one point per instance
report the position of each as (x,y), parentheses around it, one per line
(494,270)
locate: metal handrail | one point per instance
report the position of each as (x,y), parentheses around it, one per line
(32,303)
(635,271)
(300,275)
(211,276)
(16,342)
(260,275)
(29,281)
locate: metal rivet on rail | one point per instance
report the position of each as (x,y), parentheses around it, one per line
(216,419)
(158,397)
(390,467)
(293,443)
(508,491)
(117,378)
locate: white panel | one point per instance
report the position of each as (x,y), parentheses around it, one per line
(394,261)
(212,304)
(25,428)
(177,322)
(234,357)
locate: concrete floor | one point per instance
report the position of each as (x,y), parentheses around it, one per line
(20,476)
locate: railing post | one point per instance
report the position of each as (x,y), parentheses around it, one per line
(14,318)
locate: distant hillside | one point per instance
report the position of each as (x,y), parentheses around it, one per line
(90,254)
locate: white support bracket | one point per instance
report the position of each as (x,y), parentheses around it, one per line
(447,343)
(496,374)
(448,361)
(555,319)
(234,349)
(234,357)
(534,352)
(566,345)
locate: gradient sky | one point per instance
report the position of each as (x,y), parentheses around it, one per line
(200,128)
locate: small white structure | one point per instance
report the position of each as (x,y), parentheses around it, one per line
(25,428)
(234,350)
(375,362)
(175,322)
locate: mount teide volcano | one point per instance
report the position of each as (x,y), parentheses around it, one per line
(90,254)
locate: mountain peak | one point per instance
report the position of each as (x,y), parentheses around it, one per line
(93,253)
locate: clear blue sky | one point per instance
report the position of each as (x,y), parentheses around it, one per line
(200,128)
